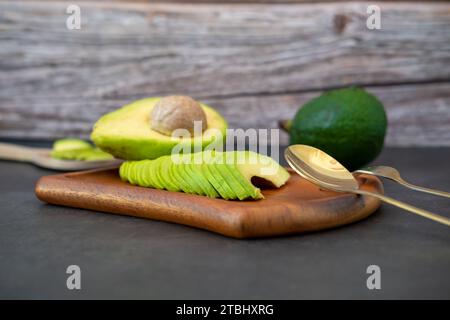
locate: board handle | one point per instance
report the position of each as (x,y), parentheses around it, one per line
(9,151)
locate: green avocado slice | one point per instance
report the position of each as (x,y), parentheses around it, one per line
(140,174)
(153,170)
(207,173)
(214,177)
(178,179)
(228,176)
(145,175)
(224,170)
(166,176)
(133,173)
(203,181)
(215,171)
(246,187)
(123,171)
(196,173)
(186,175)
(76,149)
(193,180)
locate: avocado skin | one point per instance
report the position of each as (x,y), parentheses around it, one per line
(349,124)
(126,132)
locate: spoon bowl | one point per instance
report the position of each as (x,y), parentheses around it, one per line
(320,168)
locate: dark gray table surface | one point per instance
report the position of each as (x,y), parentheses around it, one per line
(124,257)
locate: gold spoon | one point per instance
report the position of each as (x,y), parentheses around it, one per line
(321,169)
(393,174)
(41,157)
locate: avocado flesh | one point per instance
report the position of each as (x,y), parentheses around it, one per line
(217,185)
(145,176)
(94,154)
(191,179)
(180,180)
(184,177)
(244,165)
(76,149)
(230,179)
(234,188)
(130,172)
(242,187)
(265,168)
(71,144)
(194,171)
(166,176)
(207,187)
(194,188)
(215,164)
(126,133)
(153,171)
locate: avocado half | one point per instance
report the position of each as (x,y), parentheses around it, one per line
(126,133)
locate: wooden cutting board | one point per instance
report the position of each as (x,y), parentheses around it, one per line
(299,206)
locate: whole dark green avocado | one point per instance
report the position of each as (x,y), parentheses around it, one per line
(349,124)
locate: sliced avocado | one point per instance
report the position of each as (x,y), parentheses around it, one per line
(153,171)
(165,175)
(144,176)
(127,134)
(209,175)
(186,172)
(76,149)
(241,185)
(210,158)
(215,171)
(265,168)
(229,176)
(70,144)
(232,176)
(241,166)
(196,174)
(123,170)
(178,179)
(196,170)
(243,189)
(69,149)
(132,172)
(93,154)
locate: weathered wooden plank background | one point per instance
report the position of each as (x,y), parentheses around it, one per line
(256,63)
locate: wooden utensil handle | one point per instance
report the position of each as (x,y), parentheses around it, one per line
(15,152)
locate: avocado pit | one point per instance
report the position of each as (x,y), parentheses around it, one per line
(177,112)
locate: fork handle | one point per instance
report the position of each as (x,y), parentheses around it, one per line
(423,189)
(408,207)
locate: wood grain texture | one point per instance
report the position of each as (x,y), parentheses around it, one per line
(297,207)
(243,59)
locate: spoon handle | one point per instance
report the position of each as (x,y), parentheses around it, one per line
(423,189)
(408,207)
